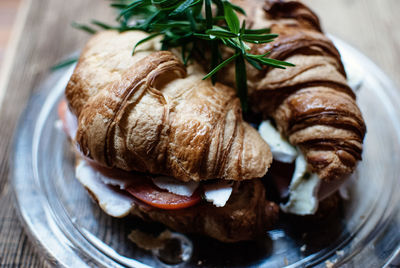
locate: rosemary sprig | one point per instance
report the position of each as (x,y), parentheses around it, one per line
(64,63)
(193,25)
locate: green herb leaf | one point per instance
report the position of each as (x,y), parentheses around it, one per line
(145,40)
(209,20)
(259,38)
(243,28)
(215,58)
(241,81)
(118,5)
(63,64)
(183,7)
(254,63)
(284,63)
(197,27)
(172,24)
(231,18)
(103,25)
(132,6)
(83,28)
(167,4)
(237,8)
(219,67)
(258,31)
(203,36)
(270,62)
(221,33)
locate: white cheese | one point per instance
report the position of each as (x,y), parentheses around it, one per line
(281,150)
(175,186)
(122,183)
(218,193)
(112,202)
(303,190)
(355,75)
(72,124)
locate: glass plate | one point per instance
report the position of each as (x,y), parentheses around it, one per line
(72,231)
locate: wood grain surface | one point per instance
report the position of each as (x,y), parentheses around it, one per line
(43,37)
(8,11)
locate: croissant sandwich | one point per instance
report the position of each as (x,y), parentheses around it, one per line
(311,105)
(146,123)
(157,141)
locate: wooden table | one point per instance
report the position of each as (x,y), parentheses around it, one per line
(8,11)
(43,36)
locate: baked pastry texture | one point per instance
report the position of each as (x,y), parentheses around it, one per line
(149,113)
(311,103)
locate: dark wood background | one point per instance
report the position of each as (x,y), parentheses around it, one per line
(43,36)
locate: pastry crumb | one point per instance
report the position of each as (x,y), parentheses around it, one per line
(147,241)
(340,252)
(330,264)
(285,261)
(303,248)
(199,262)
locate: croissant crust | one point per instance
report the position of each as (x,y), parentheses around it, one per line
(149,113)
(311,103)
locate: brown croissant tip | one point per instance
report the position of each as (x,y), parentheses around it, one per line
(331,165)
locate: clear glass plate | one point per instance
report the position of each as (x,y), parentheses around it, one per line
(72,231)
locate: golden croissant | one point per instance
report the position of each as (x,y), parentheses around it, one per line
(147,113)
(311,103)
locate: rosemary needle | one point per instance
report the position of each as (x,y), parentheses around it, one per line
(188,24)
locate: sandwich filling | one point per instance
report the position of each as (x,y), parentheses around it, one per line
(304,185)
(116,190)
(116,193)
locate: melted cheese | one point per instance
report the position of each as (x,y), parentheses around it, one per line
(218,193)
(303,190)
(117,204)
(112,202)
(355,75)
(174,186)
(122,183)
(281,150)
